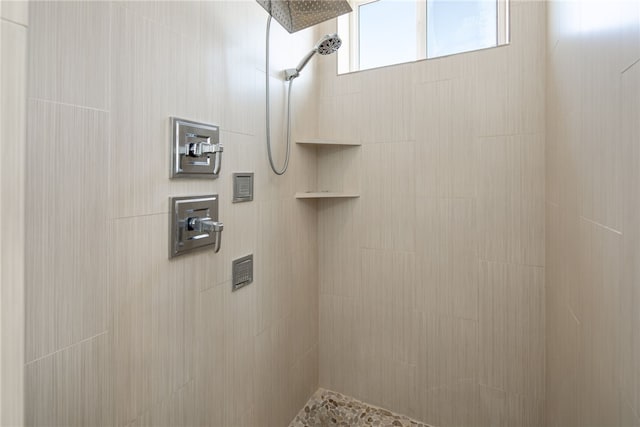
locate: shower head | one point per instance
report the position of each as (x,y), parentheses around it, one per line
(296,15)
(325,46)
(328,44)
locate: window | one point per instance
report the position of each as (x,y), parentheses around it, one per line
(386,32)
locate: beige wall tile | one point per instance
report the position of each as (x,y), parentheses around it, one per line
(500,408)
(451,405)
(447,257)
(209,357)
(339,257)
(388,99)
(628,416)
(511,327)
(176,409)
(66,283)
(274,292)
(596,307)
(339,370)
(272,361)
(446,155)
(592,161)
(181,17)
(562,391)
(239,353)
(13,60)
(69,52)
(600,156)
(70,387)
(511,199)
(331,117)
(388,201)
(153,317)
(629,296)
(508,75)
(388,278)
(447,351)
(15,11)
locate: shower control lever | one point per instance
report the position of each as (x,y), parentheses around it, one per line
(204,148)
(209,226)
(196,150)
(194,224)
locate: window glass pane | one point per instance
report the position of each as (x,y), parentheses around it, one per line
(460,26)
(387,32)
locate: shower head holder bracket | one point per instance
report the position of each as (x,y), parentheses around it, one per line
(291,73)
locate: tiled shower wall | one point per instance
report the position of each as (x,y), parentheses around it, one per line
(593,206)
(432,298)
(117,334)
(14,22)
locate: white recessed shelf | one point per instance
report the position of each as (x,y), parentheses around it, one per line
(326,195)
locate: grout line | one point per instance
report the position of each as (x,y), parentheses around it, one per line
(624,397)
(9,21)
(65,104)
(513,393)
(573,314)
(66,348)
(613,230)
(138,216)
(510,263)
(437,81)
(501,135)
(386,250)
(630,66)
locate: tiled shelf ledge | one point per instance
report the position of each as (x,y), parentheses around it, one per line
(326,195)
(327,142)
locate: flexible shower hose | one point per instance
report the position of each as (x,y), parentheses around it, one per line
(268,115)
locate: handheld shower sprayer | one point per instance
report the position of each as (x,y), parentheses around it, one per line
(325,46)
(295,15)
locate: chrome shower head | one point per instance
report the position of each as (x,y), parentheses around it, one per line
(296,15)
(325,46)
(328,44)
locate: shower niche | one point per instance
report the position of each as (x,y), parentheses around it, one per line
(338,169)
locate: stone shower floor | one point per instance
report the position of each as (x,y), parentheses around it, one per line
(328,408)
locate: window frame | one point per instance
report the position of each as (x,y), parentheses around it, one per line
(350,60)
